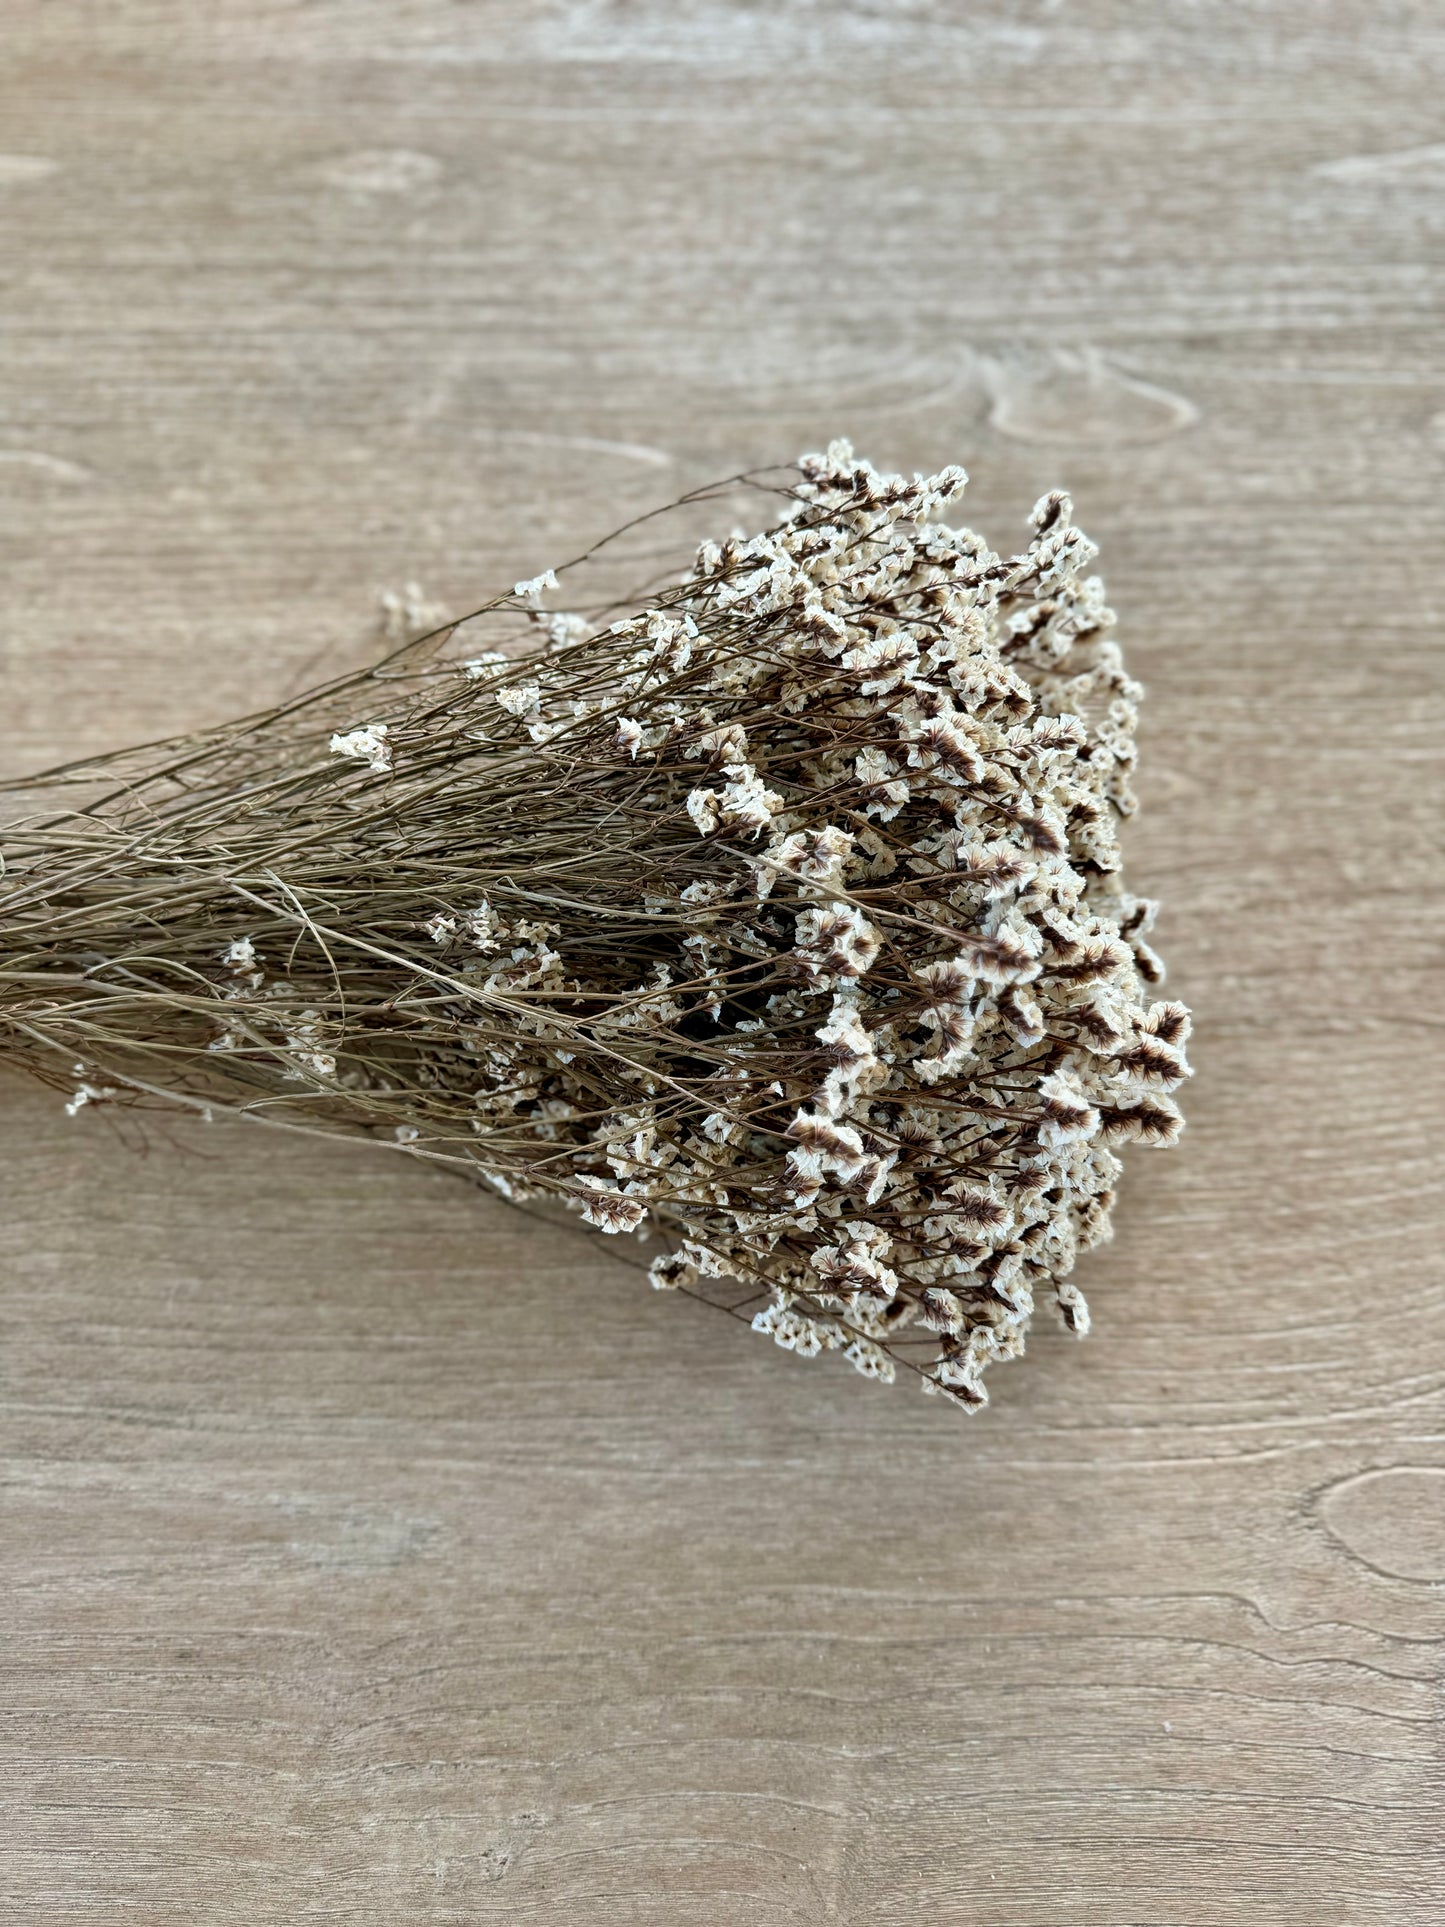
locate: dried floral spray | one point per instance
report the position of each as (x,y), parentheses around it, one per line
(780,920)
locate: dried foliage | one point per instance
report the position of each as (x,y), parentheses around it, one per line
(782,920)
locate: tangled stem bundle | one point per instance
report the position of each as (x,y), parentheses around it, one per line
(782,919)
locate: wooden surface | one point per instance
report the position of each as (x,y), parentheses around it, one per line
(332,1590)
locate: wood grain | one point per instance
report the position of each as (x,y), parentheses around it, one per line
(333,1589)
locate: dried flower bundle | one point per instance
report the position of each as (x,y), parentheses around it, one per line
(782,920)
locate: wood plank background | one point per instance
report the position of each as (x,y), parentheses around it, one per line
(333,1589)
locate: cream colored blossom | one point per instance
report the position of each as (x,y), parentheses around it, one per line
(519,699)
(535,587)
(367,744)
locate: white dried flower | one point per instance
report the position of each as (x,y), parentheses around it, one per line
(562,629)
(870,1360)
(746,803)
(609,1209)
(408,613)
(305,1043)
(367,744)
(520,699)
(795,1331)
(536,586)
(838,939)
(669,1271)
(1068,1116)
(672,639)
(88,1094)
(487,664)
(482,929)
(703,806)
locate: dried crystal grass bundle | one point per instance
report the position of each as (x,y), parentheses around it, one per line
(780,920)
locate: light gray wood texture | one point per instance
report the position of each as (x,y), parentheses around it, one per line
(334,1590)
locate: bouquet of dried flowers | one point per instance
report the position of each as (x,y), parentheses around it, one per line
(779,920)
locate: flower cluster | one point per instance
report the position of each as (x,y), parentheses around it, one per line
(782,921)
